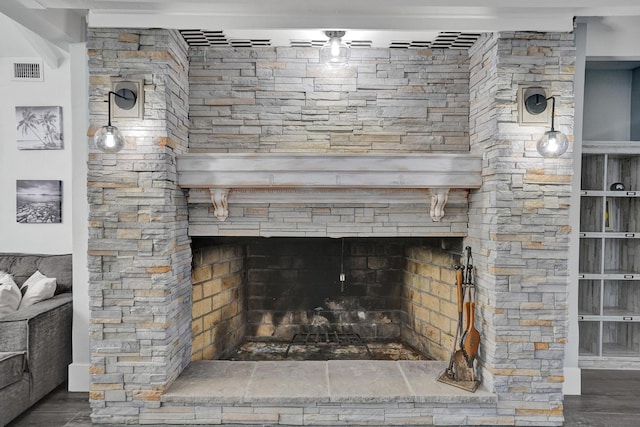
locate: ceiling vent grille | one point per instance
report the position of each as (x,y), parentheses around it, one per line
(360,43)
(27,71)
(307,43)
(219,39)
(444,40)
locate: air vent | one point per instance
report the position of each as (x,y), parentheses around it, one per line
(360,43)
(307,43)
(444,40)
(27,71)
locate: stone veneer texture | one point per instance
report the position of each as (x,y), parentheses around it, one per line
(139,253)
(519,223)
(218,311)
(139,249)
(283,100)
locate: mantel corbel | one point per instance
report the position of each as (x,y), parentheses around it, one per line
(439,198)
(219,198)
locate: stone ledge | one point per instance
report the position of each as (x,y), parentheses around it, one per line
(343,383)
(270,170)
(368,178)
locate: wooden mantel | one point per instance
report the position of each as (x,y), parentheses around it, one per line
(374,177)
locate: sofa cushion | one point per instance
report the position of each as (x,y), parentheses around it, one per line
(11,367)
(22,266)
(37,288)
(10,295)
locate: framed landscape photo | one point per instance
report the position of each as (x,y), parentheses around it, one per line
(39,128)
(38,201)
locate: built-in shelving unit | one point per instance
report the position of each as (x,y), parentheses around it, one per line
(609,263)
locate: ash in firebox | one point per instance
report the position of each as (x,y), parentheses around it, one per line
(255,351)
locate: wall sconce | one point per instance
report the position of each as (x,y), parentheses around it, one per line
(334,52)
(553,143)
(108,138)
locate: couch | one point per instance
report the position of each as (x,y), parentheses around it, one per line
(35,341)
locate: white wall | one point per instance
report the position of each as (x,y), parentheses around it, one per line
(64,86)
(612,37)
(34,164)
(607,105)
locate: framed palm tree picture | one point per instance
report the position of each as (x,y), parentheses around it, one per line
(39,128)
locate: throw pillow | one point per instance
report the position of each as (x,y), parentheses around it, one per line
(37,288)
(10,295)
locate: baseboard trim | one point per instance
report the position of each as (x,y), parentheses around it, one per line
(79,378)
(572,381)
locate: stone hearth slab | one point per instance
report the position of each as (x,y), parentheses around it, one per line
(207,381)
(367,380)
(422,378)
(289,382)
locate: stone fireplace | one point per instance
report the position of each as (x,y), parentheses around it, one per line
(401,144)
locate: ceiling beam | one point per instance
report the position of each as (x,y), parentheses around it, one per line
(61,27)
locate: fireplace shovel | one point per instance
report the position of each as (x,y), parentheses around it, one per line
(471,340)
(458,373)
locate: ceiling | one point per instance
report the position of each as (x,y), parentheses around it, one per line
(377,23)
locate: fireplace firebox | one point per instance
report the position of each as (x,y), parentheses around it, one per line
(323,291)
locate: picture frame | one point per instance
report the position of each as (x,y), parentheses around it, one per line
(38,201)
(39,127)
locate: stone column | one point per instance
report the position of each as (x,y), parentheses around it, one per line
(519,224)
(139,250)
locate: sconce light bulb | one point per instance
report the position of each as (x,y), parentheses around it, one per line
(553,144)
(334,53)
(335,46)
(109,139)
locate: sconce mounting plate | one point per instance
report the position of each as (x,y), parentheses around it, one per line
(535,104)
(126,98)
(129,107)
(533,108)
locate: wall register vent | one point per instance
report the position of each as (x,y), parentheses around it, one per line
(27,71)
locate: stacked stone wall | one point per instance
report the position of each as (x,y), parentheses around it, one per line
(519,223)
(284,100)
(139,249)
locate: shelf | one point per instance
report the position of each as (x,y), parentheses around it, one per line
(609,237)
(610,276)
(315,178)
(620,339)
(610,147)
(609,262)
(617,350)
(610,234)
(609,193)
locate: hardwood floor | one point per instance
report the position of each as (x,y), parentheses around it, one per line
(59,408)
(609,399)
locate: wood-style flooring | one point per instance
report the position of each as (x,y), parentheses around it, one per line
(609,399)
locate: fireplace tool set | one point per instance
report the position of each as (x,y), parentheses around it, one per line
(461,370)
